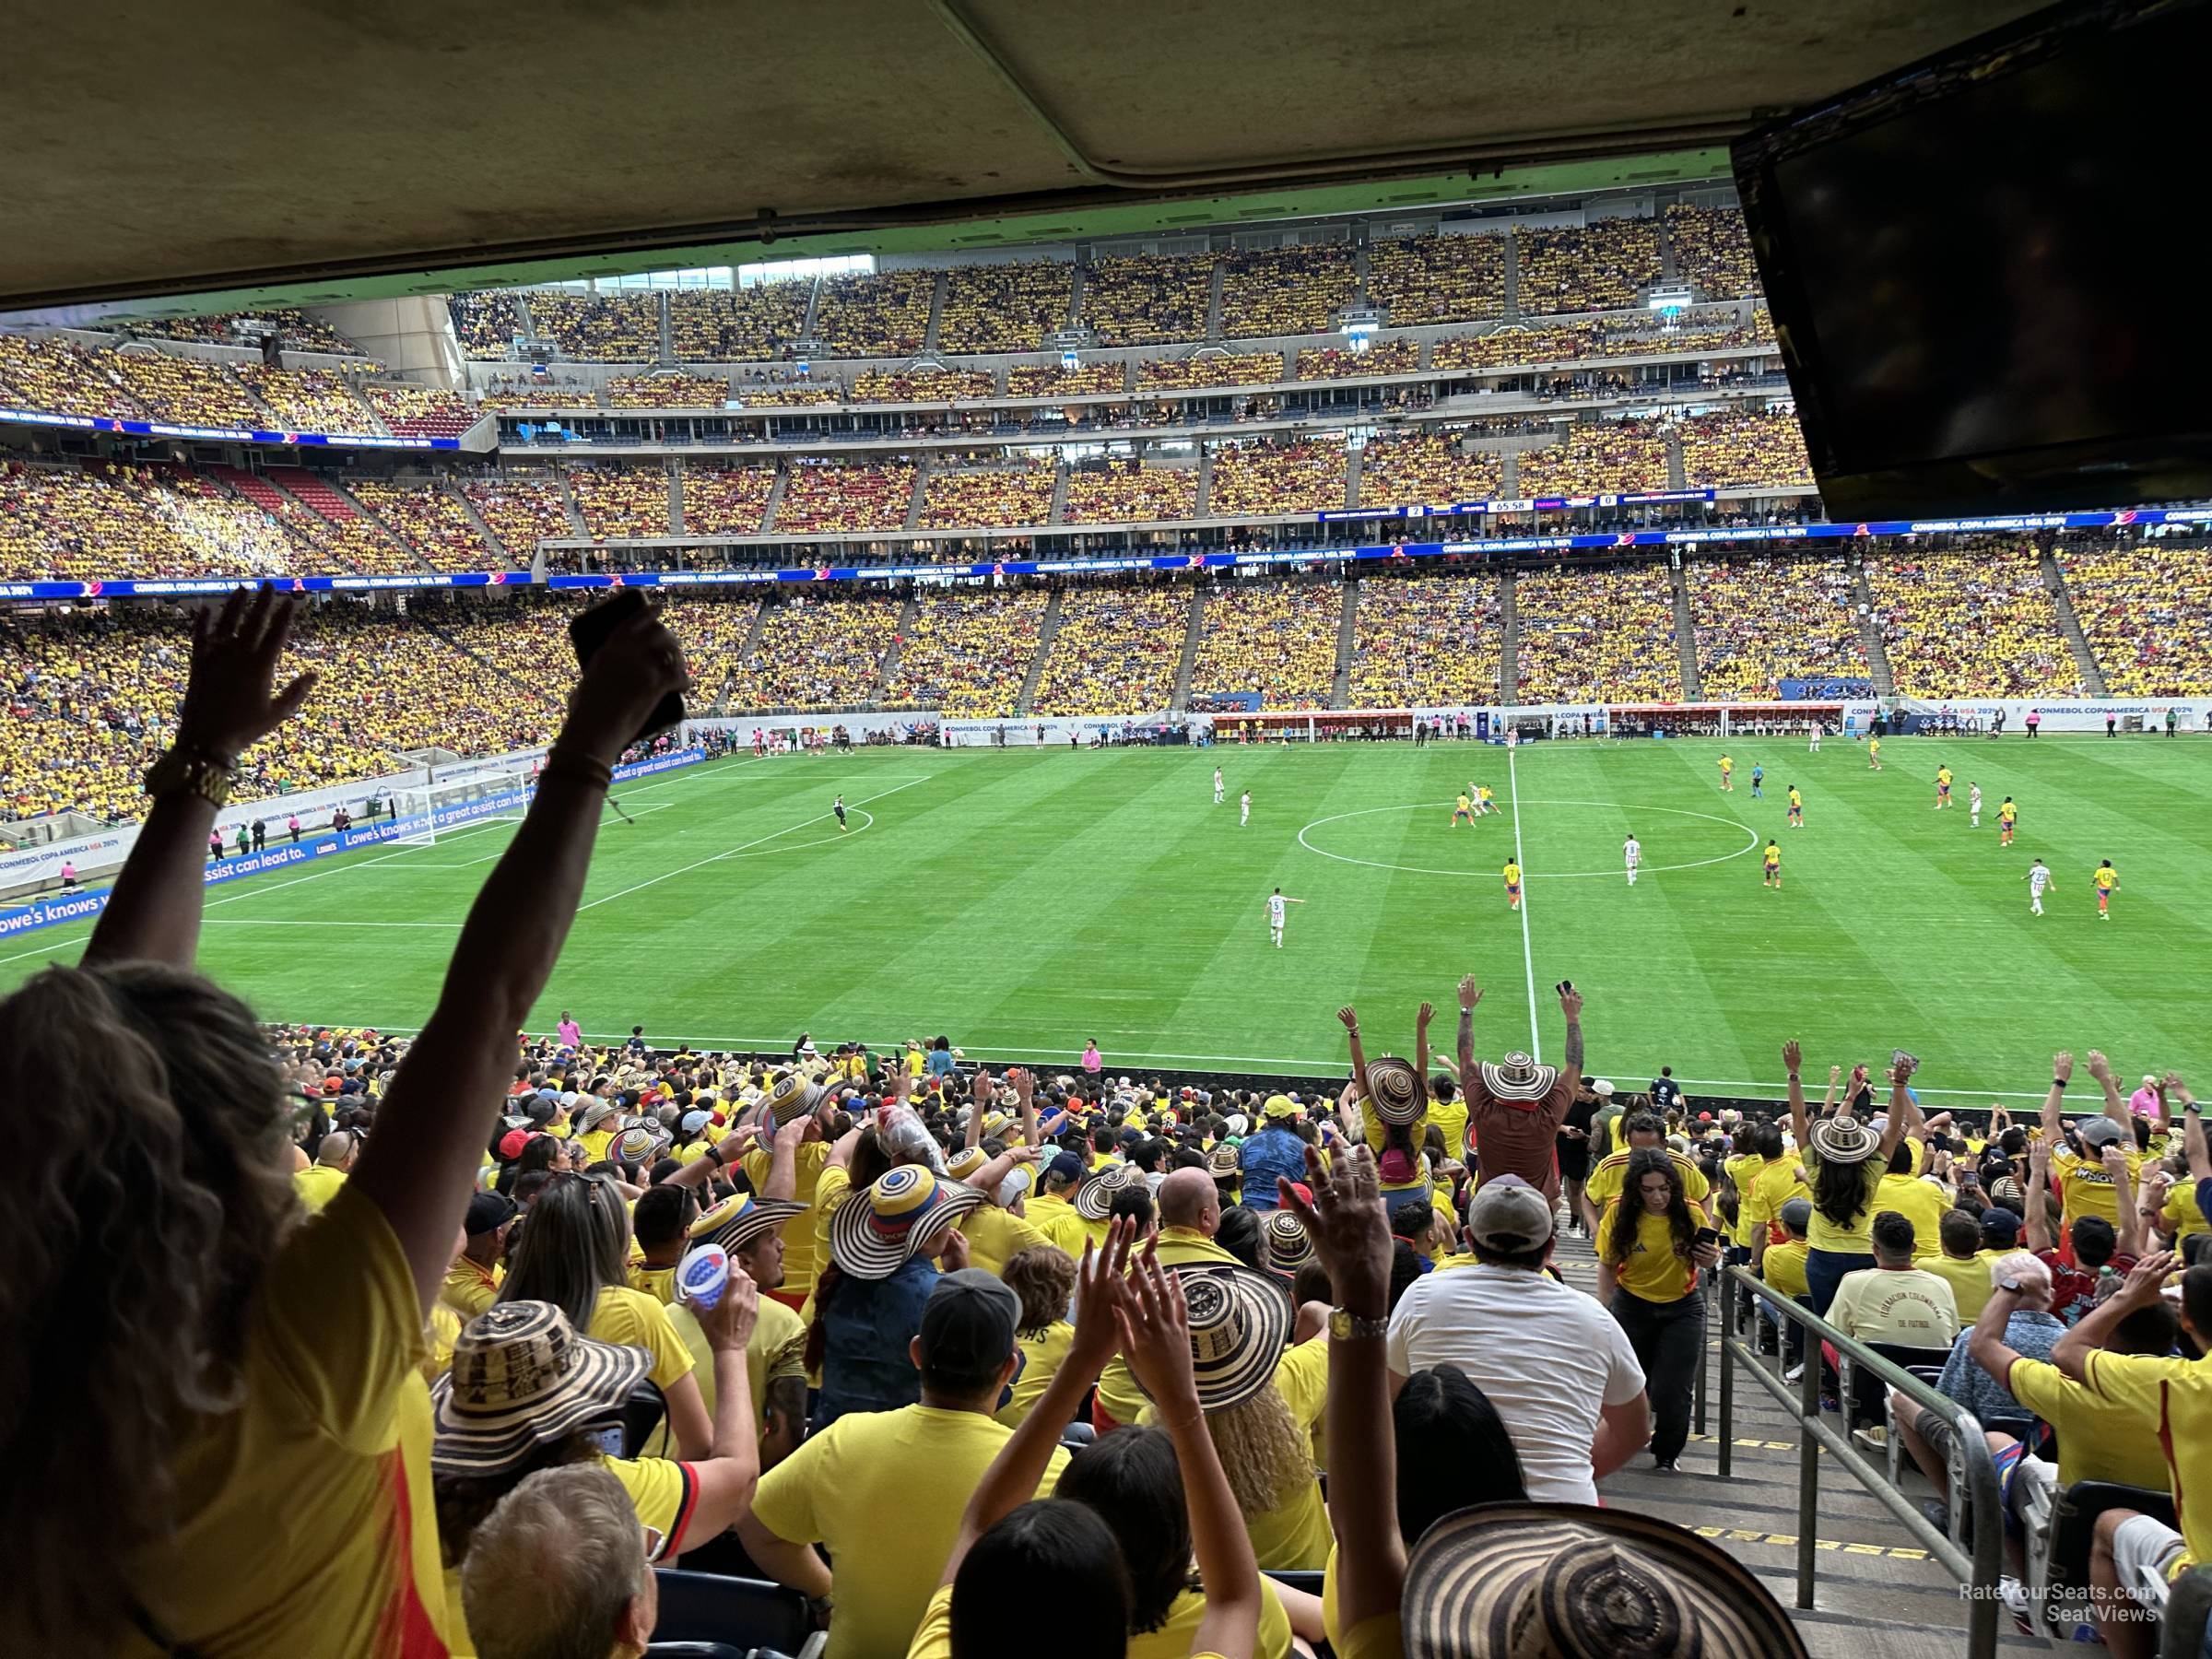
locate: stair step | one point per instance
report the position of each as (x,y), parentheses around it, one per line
(2069,622)
(1348,644)
(1194,634)
(1509,636)
(1047,631)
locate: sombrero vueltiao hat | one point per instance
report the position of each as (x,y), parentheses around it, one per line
(635,1145)
(1094,1199)
(793,1096)
(1843,1140)
(1241,1321)
(1531,1580)
(965,1162)
(736,1222)
(1518,1077)
(1288,1248)
(1221,1163)
(875,1233)
(1394,1089)
(521,1377)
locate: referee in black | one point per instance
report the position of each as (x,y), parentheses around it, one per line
(841,825)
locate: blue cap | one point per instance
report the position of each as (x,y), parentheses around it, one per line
(1066,1167)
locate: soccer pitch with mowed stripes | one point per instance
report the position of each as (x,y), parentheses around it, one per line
(1022,901)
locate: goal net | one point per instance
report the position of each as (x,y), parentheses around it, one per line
(442,810)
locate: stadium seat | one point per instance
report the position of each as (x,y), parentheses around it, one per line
(2074,1525)
(746,1614)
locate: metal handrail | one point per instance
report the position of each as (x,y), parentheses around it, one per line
(1975,1499)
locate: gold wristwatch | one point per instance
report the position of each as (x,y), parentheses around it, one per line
(1345,1324)
(191,772)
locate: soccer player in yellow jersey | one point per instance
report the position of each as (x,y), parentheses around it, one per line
(1512,885)
(1796,808)
(1483,800)
(2106,879)
(1728,770)
(1771,860)
(1465,810)
(1874,754)
(2008,815)
(1942,787)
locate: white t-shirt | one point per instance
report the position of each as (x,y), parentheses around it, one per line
(1274,910)
(2039,877)
(1551,1359)
(1634,850)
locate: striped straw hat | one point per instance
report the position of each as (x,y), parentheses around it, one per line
(1518,1077)
(1240,1324)
(794,1097)
(521,1377)
(875,1233)
(1843,1139)
(1094,1199)
(1566,1580)
(736,1222)
(1288,1248)
(965,1162)
(1221,1162)
(1394,1088)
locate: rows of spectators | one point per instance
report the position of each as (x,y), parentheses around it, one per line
(1148,299)
(2146,609)
(1304,475)
(431,520)
(956,497)
(421,412)
(968,653)
(1275,638)
(1130,492)
(816,654)
(821,497)
(1210,369)
(1603,266)
(1426,641)
(1427,279)
(880,314)
(485,323)
(342,536)
(103,520)
(1383,357)
(1098,376)
(299,331)
(1969,618)
(1290,290)
(307,400)
(1008,307)
(599,328)
(1598,635)
(1598,455)
(667,390)
(1116,651)
(621,500)
(787,394)
(52,376)
(188,391)
(521,509)
(923,385)
(1641,335)
(1761,621)
(1713,250)
(1425,469)
(1738,449)
(537,392)
(737,325)
(725,500)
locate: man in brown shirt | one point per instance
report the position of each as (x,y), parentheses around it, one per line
(1514,1106)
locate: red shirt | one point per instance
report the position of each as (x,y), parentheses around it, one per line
(2071,1285)
(1518,1137)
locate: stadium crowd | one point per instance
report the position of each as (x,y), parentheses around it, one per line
(1427,279)
(816,654)
(1005,307)
(1427,468)
(1761,621)
(1594,456)
(1095,377)
(307,400)
(1383,357)
(598,328)
(1116,651)
(485,323)
(469,1250)
(1426,641)
(969,654)
(1603,266)
(433,520)
(986,497)
(923,385)
(1744,449)
(1969,618)
(821,497)
(1148,299)
(1713,250)
(1291,291)
(188,391)
(618,501)
(1275,638)
(1130,492)
(1302,474)
(420,412)
(725,500)
(300,332)
(521,509)
(878,315)
(1598,635)
(667,390)
(2145,608)
(736,325)
(1204,369)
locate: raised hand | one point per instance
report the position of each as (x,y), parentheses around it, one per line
(1571,1005)
(227,704)
(1100,1293)
(639,664)
(1156,1337)
(1350,1233)
(2061,1066)
(1420,1020)
(2099,1067)
(1469,994)
(729,1322)
(2147,1279)
(1350,1017)
(1793,1059)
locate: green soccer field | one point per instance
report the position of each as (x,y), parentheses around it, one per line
(1023,900)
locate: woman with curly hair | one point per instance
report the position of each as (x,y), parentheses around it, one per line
(1652,1245)
(187,1360)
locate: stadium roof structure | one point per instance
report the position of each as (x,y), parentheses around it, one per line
(301,154)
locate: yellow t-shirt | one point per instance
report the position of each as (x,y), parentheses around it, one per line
(2008,812)
(635,1320)
(1382,1637)
(2170,1400)
(2088,1190)
(1465,804)
(884,1491)
(1943,776)
(1041,1357)
(2098,1439)
(1605,1179)
(1294,1536)
(321,1477)
(441,1332)
(317,1184)
(1118,1392)
(799,1249)
(1783,1265)
(1057,1221)
(2106,879)
(1773,1185)
(657,1282)
(1743,1169)
(1968,1278)
(933,1639)
(776,1348)
(1858,1238)
(1650,1269)
(2182,1216)
(1512,874)
(995,1237)
(468,1290)
(1797,799)
(1448,1118)
(595,1143)
(1918,1203)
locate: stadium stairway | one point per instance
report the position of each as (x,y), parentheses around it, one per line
(775,499)
(1213,301)
(523,690)
(813,304)
(1877,1595)
(664,327)
(2085,660)
(936,311)
(1075,297)
(1513,283)
(1193,632)
(1058,515)
(1352,473)
(468,511)
(676,494)
(887,666)
(1360,267)
(1870,628)
(568,501)
(1205,483)
(1676,473)
(1047,631)
(1347,643)
(1509,636)
(1685,633)
(913,502)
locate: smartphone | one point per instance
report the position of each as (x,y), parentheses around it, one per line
(592,630)
(1709,1235)
(1910,1062)
(1564,986)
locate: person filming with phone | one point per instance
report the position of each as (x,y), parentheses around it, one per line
(1654,1247)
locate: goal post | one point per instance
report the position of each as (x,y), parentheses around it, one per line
(441,809)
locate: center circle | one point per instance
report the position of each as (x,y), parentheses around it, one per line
(1750,843)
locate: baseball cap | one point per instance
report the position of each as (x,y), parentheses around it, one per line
(1508,1216)
(968,1325)
(1066,1167)
(1999,1226)
(513,1143)
(2098,1132)
(488,1212)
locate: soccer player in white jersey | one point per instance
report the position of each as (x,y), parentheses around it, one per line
(1815,736)
(1274,915)
(2038,880)
(1244,810)
(1973,806)
(1217,786)
(1632,851)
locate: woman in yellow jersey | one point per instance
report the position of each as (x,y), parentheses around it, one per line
(1653,1247)
(1846,1161)
(244,1362)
